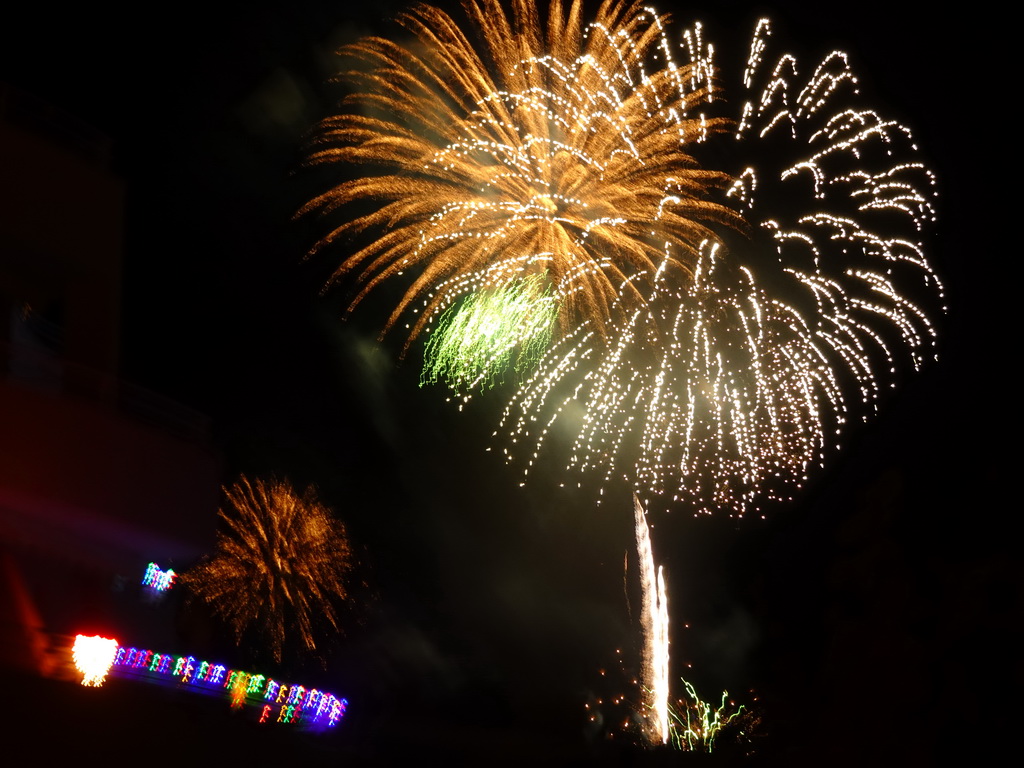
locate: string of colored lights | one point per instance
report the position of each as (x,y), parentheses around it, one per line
(276,701)
(157,579)
(279,702)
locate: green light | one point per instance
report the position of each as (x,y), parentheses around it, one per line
(488,332)
(697,723)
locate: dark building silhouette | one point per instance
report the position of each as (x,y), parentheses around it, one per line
(97,477)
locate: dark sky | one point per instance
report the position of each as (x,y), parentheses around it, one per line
(868,594)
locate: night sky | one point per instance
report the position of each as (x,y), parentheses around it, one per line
(889,591)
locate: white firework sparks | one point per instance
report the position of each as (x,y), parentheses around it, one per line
(723,387)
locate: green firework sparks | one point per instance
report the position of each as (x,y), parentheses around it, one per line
(490,331)
(697,723)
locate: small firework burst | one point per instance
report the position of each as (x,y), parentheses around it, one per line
(279,568)
(697,725)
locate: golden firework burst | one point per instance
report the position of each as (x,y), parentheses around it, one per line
(521,146)
(279,567)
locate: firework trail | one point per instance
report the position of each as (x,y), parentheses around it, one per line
(688,723)
(552,148)
(654,617)
(720,390)
(279,566)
